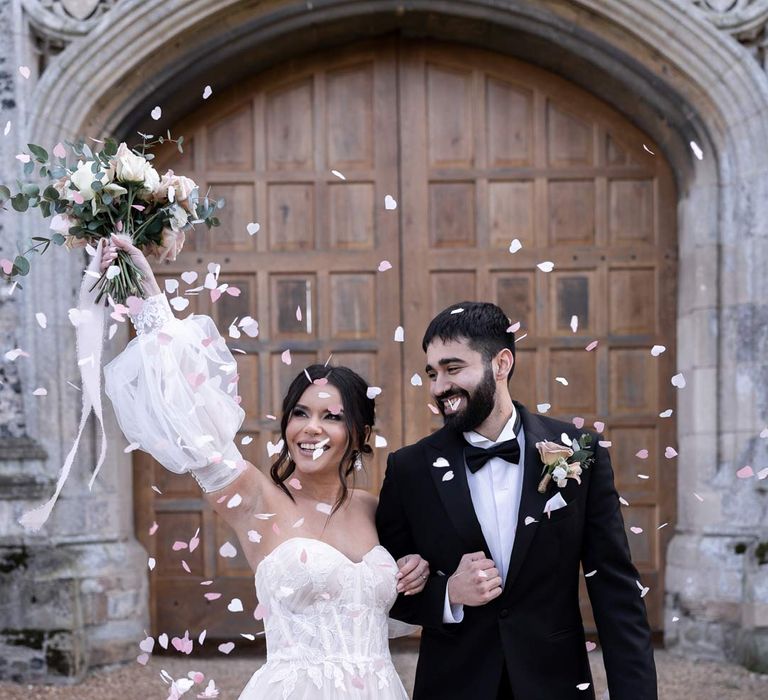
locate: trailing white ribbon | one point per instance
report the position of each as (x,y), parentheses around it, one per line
(90,336)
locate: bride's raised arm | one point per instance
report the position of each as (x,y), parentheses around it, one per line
(174,390)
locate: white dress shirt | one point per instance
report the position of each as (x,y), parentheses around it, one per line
(495,489)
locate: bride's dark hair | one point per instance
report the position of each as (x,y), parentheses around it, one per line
(359,417)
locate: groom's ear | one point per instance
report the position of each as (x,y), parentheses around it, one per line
(502,364)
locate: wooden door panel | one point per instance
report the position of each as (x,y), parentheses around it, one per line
(308,276)
(478,149)
(500,150)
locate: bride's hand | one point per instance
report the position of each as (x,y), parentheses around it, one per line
(412,575)
(109,255)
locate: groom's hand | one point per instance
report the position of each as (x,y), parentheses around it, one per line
(476,581)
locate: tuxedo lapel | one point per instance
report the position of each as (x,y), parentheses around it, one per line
(454,492)
(531,501)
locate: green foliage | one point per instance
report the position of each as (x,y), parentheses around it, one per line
(40,154)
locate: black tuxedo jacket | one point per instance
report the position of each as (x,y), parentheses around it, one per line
(535,626)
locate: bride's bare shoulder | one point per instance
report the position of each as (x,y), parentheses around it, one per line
(365,500)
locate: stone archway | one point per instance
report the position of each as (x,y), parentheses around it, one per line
(661,64)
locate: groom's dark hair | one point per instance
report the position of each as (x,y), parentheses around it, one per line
(482,324)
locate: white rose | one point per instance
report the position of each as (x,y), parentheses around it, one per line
(151,178)
(84,177)
(560,476)
(179,218)
(129,167)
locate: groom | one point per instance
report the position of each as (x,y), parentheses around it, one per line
(500,610)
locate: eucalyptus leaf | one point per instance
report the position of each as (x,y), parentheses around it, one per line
(29,168)
(39,152)
(58,239)
(21,265)
(30,189)
(51,193)
(5,193)
(20,202)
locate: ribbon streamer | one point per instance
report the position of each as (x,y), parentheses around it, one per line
(89,336)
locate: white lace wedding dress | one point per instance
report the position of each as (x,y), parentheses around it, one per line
(325,618)
(173,389)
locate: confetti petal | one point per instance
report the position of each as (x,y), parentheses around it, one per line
(226,648)
(745,472)
(235,605)
(156,113)
(373,392)
(384,265)
(25,72)
(678,381)
(338,174)
(546,266)
(448,475)
(656,350)
(227,550)
(543,407)
(399,334)
(207,92)
(670,452)
(515,245)
(390,203)
(416,380)
(253,228)
(286,357)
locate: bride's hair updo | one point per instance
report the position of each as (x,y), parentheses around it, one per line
(359,417)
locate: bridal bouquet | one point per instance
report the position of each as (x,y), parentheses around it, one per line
(115,190)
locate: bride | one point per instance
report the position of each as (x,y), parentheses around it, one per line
(323,582)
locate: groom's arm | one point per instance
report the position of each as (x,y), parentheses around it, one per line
(425,608)
(622,622)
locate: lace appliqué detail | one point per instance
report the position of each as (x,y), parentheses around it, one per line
(155,312)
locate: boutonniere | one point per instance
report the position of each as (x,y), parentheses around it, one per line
(562,463)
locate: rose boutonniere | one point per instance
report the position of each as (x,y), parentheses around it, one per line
(562,463)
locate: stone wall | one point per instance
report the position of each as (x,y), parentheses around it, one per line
(74,596)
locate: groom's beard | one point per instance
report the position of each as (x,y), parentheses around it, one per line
(478,404)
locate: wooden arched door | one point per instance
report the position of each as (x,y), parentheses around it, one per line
(478,149)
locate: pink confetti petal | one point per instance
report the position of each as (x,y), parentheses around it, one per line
(591,646)
(215,295)
(670,452)
(599,426)
(153,529)
(178,545)
(212,596)
(578,421)
(384,265)
(592,346)
(143,659)
(59,151)
(233,291)
(6,266)
(226,648)
(185,566)
(286,357)
(745,472)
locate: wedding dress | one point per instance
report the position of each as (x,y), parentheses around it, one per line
(325,619)
(174,391)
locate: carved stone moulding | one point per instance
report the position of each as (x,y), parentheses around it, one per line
(65,20)
(744,19)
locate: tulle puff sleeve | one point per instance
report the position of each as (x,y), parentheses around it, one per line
(174,391)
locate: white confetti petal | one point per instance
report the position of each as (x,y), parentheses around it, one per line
(339,175)
(697,150)
(235,501)
(678,381)
(390,203)
(441,462)
(574,323)
(399,334)
(41,319)
(324,508)
(207,92)
(515,245)
(448,475)
(416,380)
(543,407)
(156,113)
(380,441)
(546,266)
(227,550)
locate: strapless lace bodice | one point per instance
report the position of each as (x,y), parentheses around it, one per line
(325,619)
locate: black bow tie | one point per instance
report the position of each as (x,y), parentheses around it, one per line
(476,457)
